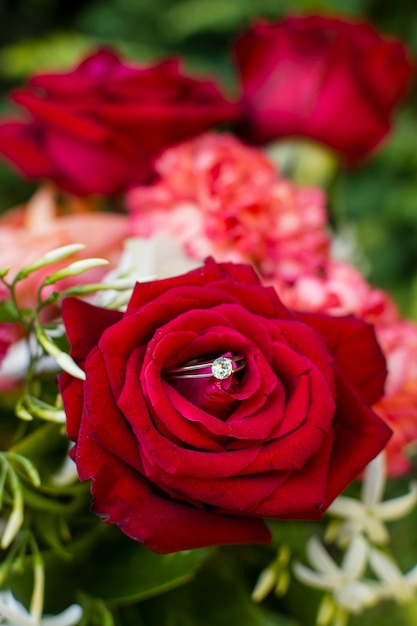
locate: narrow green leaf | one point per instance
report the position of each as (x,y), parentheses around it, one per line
(3,476)
(43,410)
(8,311)
(24,464)
(74,269)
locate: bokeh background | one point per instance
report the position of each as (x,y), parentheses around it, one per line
(376,203)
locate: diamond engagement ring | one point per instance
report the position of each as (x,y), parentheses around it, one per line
(220,368)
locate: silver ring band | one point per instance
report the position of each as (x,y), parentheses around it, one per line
(220,368)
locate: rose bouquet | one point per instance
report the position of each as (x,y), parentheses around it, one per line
(202,403)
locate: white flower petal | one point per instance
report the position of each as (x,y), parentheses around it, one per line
(313,579)
(346,507)
(15,614)
(397,508)
(354,560)
(13,611)
(384,567)
(347,530)
(69,617)
(320,558)
(376,530)
(374,481)
(356,596)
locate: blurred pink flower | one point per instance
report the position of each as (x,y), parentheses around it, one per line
(339,290)
(28,232)
(219,197)
(398,407)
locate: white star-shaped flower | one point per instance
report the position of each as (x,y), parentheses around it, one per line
(343,581)
(13,613)
(395,584)
(368,515)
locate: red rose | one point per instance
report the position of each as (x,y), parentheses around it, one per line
(324,78)
(97,128)
(183,463)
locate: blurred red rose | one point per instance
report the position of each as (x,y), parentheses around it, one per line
(96,129)
(325,78)
(185,463)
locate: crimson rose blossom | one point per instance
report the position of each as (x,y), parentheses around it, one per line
(96,129)
(185,463)
(320,77)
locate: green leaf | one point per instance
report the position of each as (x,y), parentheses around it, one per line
(46,447)
(38,408)
(8,311)
(127,572)
(218,596)
(387,614)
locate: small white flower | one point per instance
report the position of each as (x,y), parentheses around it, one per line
(344,581)
(368,515)
(145,259)
(395,584)
(13,613)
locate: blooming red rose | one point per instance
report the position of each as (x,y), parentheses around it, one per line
(181,463)
(320,77)
(97,128)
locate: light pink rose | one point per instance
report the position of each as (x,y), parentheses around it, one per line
(219,197)
(30,231)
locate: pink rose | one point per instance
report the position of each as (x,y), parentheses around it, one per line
(30,231)
(97,128)
(180,463)
(219,197)
(324,78)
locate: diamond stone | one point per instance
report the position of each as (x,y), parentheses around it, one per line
(222,368)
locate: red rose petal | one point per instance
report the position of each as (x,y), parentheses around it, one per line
(123,497)
(353,344)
